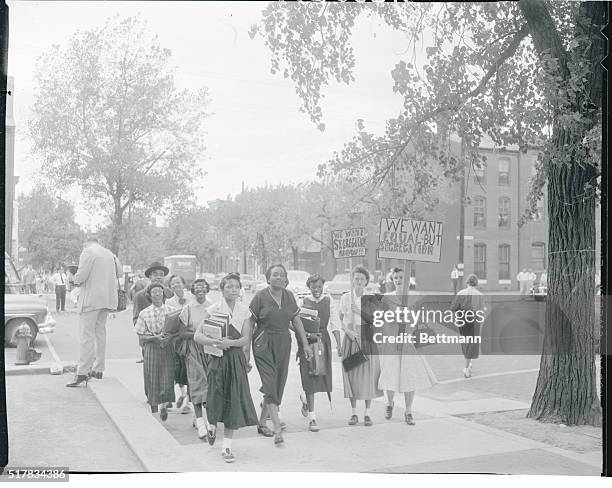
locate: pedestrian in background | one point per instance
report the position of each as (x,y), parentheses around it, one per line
(455,279)
(158,370)
(178,302)
(29,280)
(531,277)
(192,319)
(97,275)
(60,281)
(328,318)
(229,396)
(402,369)
(361,382)
(467,299)
(275,312)
(523,279)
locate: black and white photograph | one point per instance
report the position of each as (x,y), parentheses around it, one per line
(304,237)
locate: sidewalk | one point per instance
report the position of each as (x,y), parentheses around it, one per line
(445,438)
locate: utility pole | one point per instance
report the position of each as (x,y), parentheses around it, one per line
(460,266)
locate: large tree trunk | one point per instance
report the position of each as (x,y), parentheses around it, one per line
(566,389)
(296,257)
(117,228)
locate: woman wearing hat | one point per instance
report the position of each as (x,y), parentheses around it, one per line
(275,311)
(158,352)
(192,318)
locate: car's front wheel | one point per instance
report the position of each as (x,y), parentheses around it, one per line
(11,327)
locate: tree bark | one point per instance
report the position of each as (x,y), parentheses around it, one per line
(117,227)
(566,390)
(296,258)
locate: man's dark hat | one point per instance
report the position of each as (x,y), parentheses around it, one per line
(155,266)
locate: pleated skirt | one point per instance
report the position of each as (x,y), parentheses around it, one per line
(158,373)
(360,383)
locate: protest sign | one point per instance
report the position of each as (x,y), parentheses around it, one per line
(413,240)
(348,243)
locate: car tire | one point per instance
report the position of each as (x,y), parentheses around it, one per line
(11,327)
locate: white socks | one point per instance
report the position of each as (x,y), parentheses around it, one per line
(354,411)
(227,444)
(312,416)
(366,413)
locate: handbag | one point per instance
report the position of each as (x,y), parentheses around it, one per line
(317,364)
(354,360)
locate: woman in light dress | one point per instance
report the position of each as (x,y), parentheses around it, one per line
(361,382)
(402,368)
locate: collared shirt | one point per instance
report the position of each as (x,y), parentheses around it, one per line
(176,303)
(59,278)
(334,317)
(454,274)
(349,319)
(194,314)
(237,316)
(151,320)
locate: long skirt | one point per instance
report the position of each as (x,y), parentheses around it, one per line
(470,351)
(316,384)
(272,352)
(180,370)
(360,383)
(405,372)
(158,373)
(197,372)
(229,397)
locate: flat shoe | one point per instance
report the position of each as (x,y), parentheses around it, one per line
(389,412)
(409,419)
(278,439)
(313,427)
(179,402)
(265,431)
(212,436)
(227,455)
(354,420)
(367,421)
(304,408)
(163,413)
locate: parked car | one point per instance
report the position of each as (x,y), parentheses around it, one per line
(539,292)
(209,277)
(19,309)
(341,284)
(248,282)
(214,283)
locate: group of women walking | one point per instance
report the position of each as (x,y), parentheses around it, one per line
(218,384)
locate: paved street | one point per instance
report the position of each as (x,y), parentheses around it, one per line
(450,435)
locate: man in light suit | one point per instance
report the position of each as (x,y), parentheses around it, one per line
(97,275)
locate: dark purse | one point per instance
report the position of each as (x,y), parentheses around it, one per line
(317,364)
(356,359)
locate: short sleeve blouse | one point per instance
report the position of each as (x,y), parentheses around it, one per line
(269,315)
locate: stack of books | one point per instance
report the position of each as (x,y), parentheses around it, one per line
(310,320)
(216,327)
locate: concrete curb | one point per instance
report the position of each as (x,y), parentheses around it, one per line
(39,368)
(156,449)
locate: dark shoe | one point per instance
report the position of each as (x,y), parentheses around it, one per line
(367,421)
(313,427)
(278,439)
(153,408)
(409,419)
(354,420)
(96,374)
(163,413)
(212,436)
(227,455)
(389,412)
(179,401)
(78,380)
(265,431)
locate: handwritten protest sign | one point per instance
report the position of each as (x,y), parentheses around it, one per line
(348,243)
(413,240)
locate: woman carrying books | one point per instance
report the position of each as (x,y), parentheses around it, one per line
(229,397)
(192,318)
(158,351)
(275,310)
(316,332)
(361,382)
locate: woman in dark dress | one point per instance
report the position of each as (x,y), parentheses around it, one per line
(274,310)
(328,316)
(229,397)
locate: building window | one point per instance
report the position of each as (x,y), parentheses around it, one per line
(504,171)
(504,212)
(480,261)
(480,213)
(504,262)
(480,172)
(538,256)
